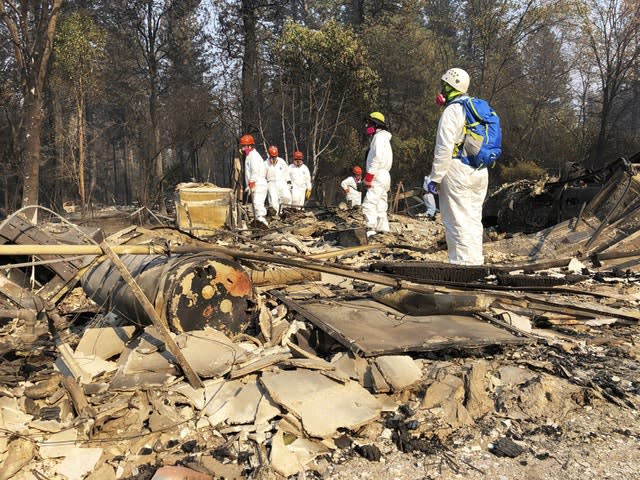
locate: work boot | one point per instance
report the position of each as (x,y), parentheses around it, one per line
(261,222)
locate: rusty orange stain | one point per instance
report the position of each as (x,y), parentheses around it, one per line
(208,311)
(236,282)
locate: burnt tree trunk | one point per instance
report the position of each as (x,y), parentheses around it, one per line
(249,68)
(31,29)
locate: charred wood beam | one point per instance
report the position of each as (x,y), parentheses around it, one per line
(609,215)
(25,314)
(498,322)
(563,262)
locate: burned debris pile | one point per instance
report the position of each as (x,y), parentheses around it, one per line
(297,350)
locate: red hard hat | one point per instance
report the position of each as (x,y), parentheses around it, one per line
(273,151)
(247,140)
(357,170)
(298,155)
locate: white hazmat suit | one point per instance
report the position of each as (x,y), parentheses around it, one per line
(351,188)
(462,190)
(300,183)
(429,198)
(255,175)
(379,161)
(278,179)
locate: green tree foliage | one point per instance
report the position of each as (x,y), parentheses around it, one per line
(408,58)
(183,79)
(325,82)
(79,52)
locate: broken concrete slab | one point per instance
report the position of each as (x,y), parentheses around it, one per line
(267,408)
(400,371)
(210,352)
(179,473)
(163,416)
(283,461)
(450,388)
(351,365)
(138,369)
(57,445)
(104,343)
(20,453)
(227,471)
(78,462)
(218,397)
(445,398)
(321,404)
(374,380)
(237,402)
(12,416)
(103,472)
(90,366)
(543,397)
(455,414)
(476,381)
(244,407)
(515,375)
(290,456)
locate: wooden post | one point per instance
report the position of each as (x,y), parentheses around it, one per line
(396,198)
(191,375)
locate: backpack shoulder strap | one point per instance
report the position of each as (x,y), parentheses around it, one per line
(471,108)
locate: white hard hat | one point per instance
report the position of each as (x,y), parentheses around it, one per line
(457,78)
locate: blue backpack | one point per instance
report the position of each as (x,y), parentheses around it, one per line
(482,144)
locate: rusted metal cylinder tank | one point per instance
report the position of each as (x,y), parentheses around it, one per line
(188,291)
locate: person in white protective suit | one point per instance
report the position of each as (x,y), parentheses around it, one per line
(429,199)
(351,187)
(278,180)
(300,180)
(462,188)
(377,179)
(255,175)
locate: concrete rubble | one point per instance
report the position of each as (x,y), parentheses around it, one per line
(307,342)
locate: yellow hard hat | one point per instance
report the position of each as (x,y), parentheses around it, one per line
(377,118)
